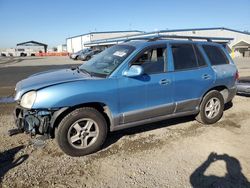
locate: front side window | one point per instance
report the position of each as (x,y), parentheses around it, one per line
(152,60)
(215,55)
(183,56)
(104,63)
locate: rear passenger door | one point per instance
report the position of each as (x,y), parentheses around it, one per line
(192,76)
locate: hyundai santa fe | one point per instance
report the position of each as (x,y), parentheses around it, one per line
(132,83)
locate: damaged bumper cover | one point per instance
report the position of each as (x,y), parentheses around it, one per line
(35,121)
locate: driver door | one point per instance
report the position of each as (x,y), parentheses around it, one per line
(151,94)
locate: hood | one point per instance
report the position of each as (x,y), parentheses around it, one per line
(48,78)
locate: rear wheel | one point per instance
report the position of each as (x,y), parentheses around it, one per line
(82,132)
(211,108)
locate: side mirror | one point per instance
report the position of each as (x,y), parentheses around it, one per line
(133,71)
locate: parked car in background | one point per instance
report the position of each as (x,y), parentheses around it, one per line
(18,52)
(76,55)
(243,86)
(129,84)
(88,55)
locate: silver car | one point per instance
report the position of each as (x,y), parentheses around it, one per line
(88,55)
(76,55)
(243,86)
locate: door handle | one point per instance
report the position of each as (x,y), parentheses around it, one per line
(206,76)
(165,82)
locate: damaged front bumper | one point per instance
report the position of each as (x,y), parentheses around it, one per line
(35,121)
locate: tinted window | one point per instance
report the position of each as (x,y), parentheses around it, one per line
(183,56)
(200,58)
(152,60)
(215,55)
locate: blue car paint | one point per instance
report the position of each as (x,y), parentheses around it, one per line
(46,79)
(189,84)
(224,75)
(124,95)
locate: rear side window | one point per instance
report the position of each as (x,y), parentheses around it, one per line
(200,58)
(215,55)
(183,56)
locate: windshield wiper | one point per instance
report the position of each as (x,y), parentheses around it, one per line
(82,70)
(85,71)
(74,67)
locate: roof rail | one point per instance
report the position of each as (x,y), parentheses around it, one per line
(158,37)
(141,38)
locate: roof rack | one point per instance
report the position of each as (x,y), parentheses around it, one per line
(149,38)
(158,37)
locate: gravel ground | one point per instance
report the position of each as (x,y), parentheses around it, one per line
(173,153)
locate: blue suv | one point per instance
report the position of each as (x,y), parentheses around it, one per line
(133,83)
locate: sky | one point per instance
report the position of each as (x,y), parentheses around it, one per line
(52,21)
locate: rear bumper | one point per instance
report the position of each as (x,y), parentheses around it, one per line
(231,93)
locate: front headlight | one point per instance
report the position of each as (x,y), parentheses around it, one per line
(28,99)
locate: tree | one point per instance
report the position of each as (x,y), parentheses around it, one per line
(54,49)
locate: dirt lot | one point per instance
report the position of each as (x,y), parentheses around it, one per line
(173,153)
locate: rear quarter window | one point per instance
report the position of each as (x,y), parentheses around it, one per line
(215,55)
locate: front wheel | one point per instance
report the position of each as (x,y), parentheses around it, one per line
(211,108)
(87,58)
(81,132)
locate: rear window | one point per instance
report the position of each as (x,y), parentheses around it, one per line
(215,55)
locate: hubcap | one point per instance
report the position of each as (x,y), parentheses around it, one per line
(83,133)
(212,108)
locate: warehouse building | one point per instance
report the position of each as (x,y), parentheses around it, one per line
(78,42)
(238,47)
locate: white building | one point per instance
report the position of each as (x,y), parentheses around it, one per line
(240,43)
(77,43)
(239,46)
(62,48)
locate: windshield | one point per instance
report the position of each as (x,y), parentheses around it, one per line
(107,61)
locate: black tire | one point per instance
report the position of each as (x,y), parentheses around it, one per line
(88,58)
(65,127)
(202,117)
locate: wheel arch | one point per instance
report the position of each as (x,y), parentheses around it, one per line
(101,107)
(222,89)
